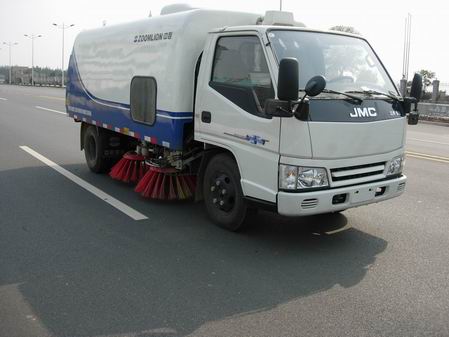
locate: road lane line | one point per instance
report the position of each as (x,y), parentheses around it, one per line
(428,141)
(132,213)
(3,99)
(47,109)
(52,97)
(427,157)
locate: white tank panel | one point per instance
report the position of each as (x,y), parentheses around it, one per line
(165,47)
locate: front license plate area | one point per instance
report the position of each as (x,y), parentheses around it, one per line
(363,194)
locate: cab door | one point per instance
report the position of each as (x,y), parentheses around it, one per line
(234,82)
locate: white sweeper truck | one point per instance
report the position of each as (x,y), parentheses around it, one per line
(240,110)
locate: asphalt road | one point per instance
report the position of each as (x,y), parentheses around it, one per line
(73,265)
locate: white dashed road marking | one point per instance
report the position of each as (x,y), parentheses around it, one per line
(51,110)
(132,213)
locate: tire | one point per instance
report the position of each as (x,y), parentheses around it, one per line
(94,146)
(222,191)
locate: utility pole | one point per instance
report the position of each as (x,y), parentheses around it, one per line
(280,5)
(406,54)
(63,27)
(32,37)
(407,35)
(10,44)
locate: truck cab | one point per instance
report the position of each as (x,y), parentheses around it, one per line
(346,150)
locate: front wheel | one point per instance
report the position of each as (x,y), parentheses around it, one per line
(223,194)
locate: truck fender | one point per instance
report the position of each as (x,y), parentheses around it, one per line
(114,141)
(83,129)
(207,155)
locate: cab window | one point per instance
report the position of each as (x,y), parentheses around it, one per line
(240,73)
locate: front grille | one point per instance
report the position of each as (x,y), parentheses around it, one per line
(357,174)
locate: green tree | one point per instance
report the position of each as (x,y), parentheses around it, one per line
(345,29)
(427,77)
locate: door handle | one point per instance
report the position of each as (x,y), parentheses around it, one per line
(206,117)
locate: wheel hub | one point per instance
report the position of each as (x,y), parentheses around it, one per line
(223,193)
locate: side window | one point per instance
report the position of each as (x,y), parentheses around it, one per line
(240,72)
(143,99)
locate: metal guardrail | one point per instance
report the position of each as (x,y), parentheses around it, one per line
(434,112)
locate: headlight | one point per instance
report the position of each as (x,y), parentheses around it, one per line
(309,177)
(298,177)
(395,165)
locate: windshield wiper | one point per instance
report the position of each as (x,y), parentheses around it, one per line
(330,91)
(372,92)
(347,94)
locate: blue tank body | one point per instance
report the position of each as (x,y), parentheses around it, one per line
(167,131)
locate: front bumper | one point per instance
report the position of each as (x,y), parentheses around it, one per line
(308,203)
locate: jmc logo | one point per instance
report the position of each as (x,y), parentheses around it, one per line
(363,112)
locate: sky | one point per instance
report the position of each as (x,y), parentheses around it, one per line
(381,22)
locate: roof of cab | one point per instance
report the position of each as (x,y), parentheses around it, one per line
(262,29)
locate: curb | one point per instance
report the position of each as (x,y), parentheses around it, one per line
(434,123)
(444,121)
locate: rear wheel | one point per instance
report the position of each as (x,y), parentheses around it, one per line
(223,194)
(94,147)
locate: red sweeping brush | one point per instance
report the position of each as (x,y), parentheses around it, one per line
(129,169)
(166,184)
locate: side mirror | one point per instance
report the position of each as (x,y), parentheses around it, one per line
(416,89)
(413,118)
(315,86)
(288,79)
(415,96)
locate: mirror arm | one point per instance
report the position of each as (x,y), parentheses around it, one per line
(301,110)
(416,105)
(407,105)
(286,112)
(415,102)
(412,115)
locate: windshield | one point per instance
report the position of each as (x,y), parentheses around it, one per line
(347,63)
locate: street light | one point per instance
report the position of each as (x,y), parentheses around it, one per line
(10,44)
(32,37)
(63,27)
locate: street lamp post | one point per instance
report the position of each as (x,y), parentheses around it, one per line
(10,44)
(63,27)
(32,37)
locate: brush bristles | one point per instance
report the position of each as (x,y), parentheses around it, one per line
(129,169)
(168,185)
